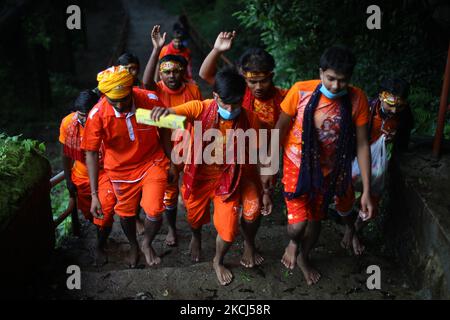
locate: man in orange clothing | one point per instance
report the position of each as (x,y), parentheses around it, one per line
(324,121)
(135,159)
(173,91)
(76,173)
(256,65)
(177,48)
(261,97)
(218,181)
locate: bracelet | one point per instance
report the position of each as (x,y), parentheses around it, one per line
(94,193)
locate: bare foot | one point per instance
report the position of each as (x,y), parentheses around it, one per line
(312,276)
(251,257)
(139,226)
(101,257)
(171,238)
(290,255)
(347,239)
(133,257)
(223,274)
(358,247)
(150,255)
(194,249)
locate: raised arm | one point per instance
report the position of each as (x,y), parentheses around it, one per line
(223,43)
(158,43)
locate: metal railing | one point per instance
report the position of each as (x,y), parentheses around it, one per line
(71,210)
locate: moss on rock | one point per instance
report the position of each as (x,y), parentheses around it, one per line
(22,166)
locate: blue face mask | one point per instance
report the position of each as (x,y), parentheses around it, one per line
(331,95)
(228,115)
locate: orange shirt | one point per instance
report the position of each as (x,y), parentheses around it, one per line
(79,168)
(130,148)
(326,120)
(193,110)
(265,108)
(172,98)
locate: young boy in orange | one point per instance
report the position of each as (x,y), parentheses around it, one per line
(216,182)
(389,115)
(177,48)
(261,97)
(322,123)
(135,159)
(173,91)
(76,173)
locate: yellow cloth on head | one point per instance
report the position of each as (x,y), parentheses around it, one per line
(115,82)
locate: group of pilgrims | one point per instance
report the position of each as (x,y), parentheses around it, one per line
(115,165)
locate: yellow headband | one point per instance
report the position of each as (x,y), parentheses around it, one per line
(250,75)
(170,66)
(115,82)
(390,99)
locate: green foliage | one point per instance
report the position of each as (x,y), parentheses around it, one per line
(36,30)
(22,165)
(60,199)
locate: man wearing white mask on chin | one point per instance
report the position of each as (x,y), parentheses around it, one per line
(323,124)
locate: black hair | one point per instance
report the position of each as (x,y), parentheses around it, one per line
(229,85)
(127,58)
(338,58)
(175,58)
(256,59)
(396,86)
(178,33)
(85,101)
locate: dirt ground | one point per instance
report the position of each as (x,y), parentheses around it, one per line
(343,275)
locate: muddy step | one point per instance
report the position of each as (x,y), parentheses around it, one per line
(270,281)
(344,276)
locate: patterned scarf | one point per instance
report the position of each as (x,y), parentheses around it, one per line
(229,180)
(72,145)
(310,179)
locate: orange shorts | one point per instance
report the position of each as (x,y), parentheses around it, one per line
(105,195)
(251,197)
(147,192)
(304,208)
(226,213)
(171,196)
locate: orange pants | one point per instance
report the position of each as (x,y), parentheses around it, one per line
(171,196)
(105,195)
(305,208)
(226,213)
(251,196)
(147,192)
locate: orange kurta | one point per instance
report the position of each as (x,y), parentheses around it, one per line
(134,157)
(80,178)
(226,213)
(172,98)
(326,121)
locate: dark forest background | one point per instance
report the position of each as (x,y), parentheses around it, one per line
(37,50)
